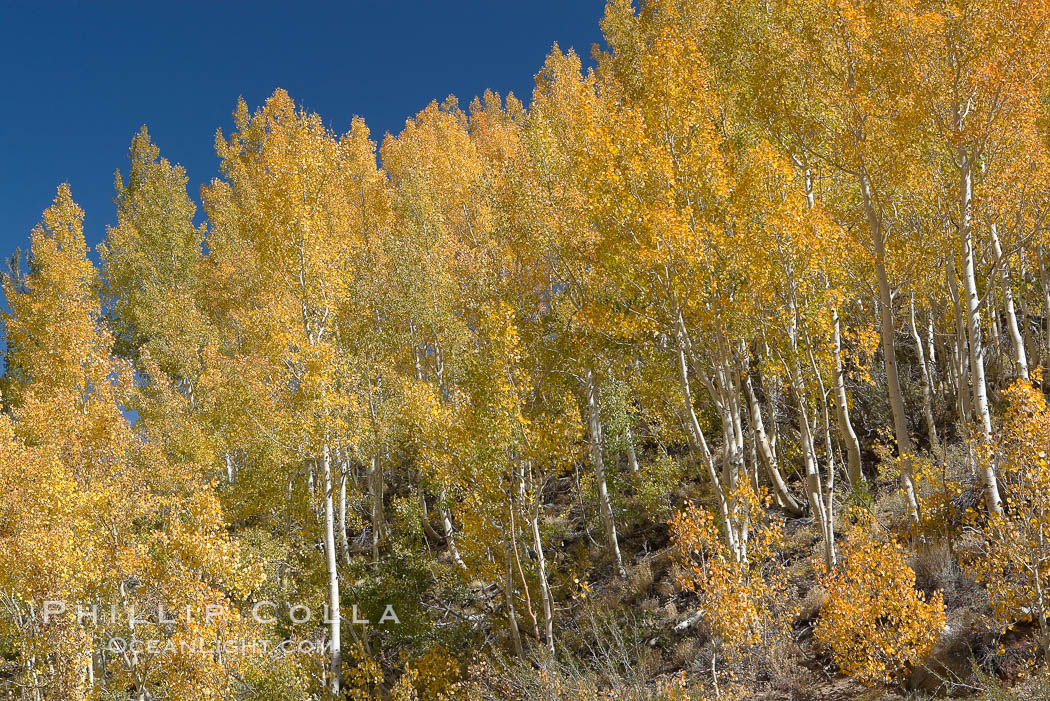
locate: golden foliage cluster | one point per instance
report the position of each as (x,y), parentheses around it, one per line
(873,620)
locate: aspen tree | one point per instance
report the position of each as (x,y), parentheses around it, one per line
(129,527)
(821,95)
(442,224)
(665,148)
(976,69)
(287,208)
(1013,558)
(564,103)
(152,265)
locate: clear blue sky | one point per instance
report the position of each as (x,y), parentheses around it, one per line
(77,79)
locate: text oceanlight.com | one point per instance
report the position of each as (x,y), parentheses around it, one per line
(200,646)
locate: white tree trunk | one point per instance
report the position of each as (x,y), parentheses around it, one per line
(1016,338)
(699,443)
(765,453)
(1026,326)
(961,353)
(334,612)
(632,455)
(594,427)
(814,487)
(344,544)
(854,469)
(960,368)
(973,332)
(541,565)
(754,462)
(927,385)
(450,536)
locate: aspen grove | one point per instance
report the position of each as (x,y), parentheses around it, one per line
(713,371)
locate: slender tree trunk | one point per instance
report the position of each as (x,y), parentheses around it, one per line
(508,592)
(962,354)
(927,385)
(765,453)
(731,384)
(699,443)
(725,393)
(854,468)
(374,475)
(594,427)
(846,432)
(443,512)
(889,351)
(960,368)
(541,564)
(375,491)
(754,462)
(334,612)
(829,490)
(993,351)
(827,493)
(973,331)
(450,536)
(344,544)
(954,376)
(1026,323)
(931,355)
(632,455)
(814,487)
(1020,356)
(772,392)
(517,558)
